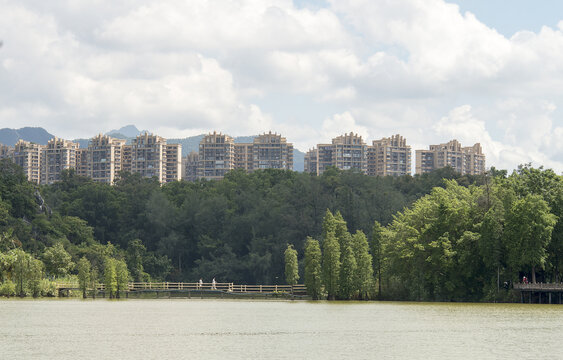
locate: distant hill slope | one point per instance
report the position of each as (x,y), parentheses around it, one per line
(34,134)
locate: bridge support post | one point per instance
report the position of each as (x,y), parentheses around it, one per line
(539,297)
(521,297)
(549,298)
(530,298)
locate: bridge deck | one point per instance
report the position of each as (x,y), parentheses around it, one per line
(181,287)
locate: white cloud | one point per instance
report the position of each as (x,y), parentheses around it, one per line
(373,67)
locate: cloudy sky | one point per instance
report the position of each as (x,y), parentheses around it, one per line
(431,70)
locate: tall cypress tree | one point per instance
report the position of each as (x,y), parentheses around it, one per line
(348,268)
(291,265)
(331,265)
(313,257)
(364,270)
(376,247)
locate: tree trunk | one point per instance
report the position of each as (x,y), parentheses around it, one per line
(533,274)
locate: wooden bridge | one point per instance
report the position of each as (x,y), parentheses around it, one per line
(197,288)
(540,291)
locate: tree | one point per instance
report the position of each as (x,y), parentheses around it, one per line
(529,224)
(313,256)
(364,272)
(110,277)
(331,264)
(122,275)
(58,261)
(376,247)
(84,275)
(291,265)
(347,282)
(34,276)
(135,253)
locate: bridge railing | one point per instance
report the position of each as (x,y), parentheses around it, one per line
(179,286)
(539,286)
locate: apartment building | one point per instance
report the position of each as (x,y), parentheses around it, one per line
(474,159)
(58,155)
(346,152)
(216,156)
(189,166)
(148,156)
(389,157)
(272,151)
(104,158)
(28,155)
(82,162)
(6,152)
(244,156)
(465,160)
(173,162)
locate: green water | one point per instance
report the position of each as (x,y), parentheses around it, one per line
(235,329)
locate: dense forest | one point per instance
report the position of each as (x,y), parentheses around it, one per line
(439,236)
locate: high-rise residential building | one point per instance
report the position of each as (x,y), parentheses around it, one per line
(28,155)
(474,159)
(6,152)
(216,156)
(346,152)
(173,162)
(272,151)
(104,158)
(244,156)
(389,157)
(189,166)
(126,158)
(82,162)
(58,155)
(468,160)
(350,152)
(148,156)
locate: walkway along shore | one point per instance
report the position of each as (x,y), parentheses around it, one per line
(181,289)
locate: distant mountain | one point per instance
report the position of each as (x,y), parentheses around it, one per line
(34,134)
(298,160)
(82,143)
(129,131)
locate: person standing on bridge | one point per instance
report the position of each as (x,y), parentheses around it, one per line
(200,283)
(213,284)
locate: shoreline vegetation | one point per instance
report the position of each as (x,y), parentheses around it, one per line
(435,237)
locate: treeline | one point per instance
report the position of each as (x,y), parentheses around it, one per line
(438,239)
(458,243)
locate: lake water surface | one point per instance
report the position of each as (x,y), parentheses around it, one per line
(250,329)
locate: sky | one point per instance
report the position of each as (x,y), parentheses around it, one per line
(431,70)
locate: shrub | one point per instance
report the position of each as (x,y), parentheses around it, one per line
(8,288)
(48,288)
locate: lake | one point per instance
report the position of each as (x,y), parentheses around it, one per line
(252,329)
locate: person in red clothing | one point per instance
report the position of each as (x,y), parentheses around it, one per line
(525,280)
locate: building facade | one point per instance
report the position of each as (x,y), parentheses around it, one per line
(346,152)
(148,156)
(272,151)
(173,162)
(189,166)
(58,155)
(389,157)
(216,156)
(104,158)
(465,160)
(28,155)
